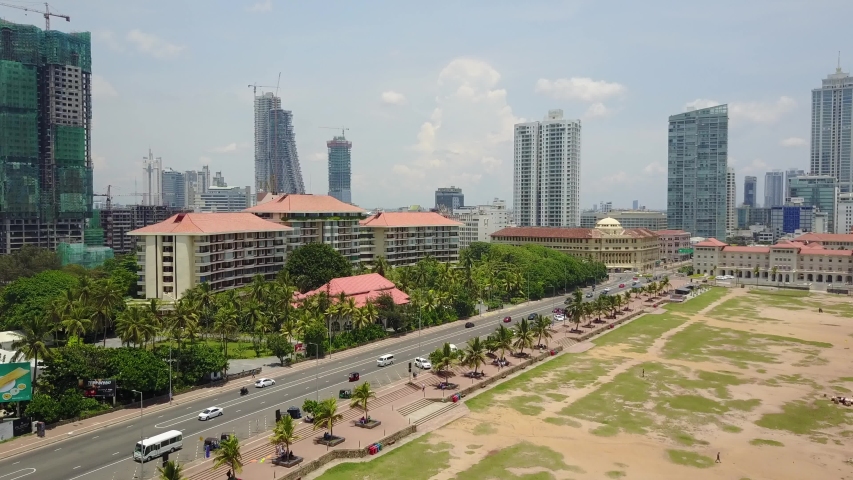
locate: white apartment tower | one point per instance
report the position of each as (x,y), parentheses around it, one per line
(832,129)
(731,200)
(546,179)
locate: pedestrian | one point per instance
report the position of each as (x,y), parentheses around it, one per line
(644,373)
(229,475)
(253,374)
(718,458)
(819,310)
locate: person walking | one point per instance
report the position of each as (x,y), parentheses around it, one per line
(718,458)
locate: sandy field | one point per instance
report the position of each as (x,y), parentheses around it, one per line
(744,373)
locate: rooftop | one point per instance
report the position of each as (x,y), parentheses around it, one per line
(671,232)
(711,242)
(210,224)
(825,237)
(302,203)
(360,287)
(564,232)
(409,219)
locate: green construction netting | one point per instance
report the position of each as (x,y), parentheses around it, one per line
(18,87)
(80,254)
(95,222)
(68,49)
(69,146)
(93,237)
(19,137)
(19,192)
(32,46)
(21,43)
(74,191)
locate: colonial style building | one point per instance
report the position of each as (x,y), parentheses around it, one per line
(674,245)
(225,250)
(403,238)
(621,249)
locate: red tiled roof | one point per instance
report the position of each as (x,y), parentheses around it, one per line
(671,232)
(360,287)
(825,237)
(409,219)
(563,232)
(739,249)
(711,242)
(824,251)
(210,224)
(296,203)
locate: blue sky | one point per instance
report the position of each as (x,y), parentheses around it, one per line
(430,90)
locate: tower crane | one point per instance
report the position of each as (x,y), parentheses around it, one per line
(342,129)
(46,13)
(254,86)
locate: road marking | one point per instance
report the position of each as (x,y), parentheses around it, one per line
(93,471)
(263,403)
(33,470)
(238,411)
(16,462)
(161,416)
(129,426)
(96,436)
(75,468)
(58,449)
(116,453)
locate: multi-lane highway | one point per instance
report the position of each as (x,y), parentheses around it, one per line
(105,454)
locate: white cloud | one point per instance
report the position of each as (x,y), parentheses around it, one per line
(231,147)
(757,112)
(109,39)
(320,157)
(654,168)
(701,103)
(101,88)
(153,45)
(597,110)
(579,88)
(757,166)
(793,142)
(263,6)
(393,98)
(99,162)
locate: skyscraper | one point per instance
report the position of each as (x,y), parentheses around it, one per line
(340,168)
(697,172)
(774,189)
(819,191)
(635,205)
(45,136)
(174,189)
(789,174)
(450,198)
(277,167)
(832,124)
(731,200)
(546,177)
(750,185)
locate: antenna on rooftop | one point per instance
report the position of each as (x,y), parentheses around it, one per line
(838,68)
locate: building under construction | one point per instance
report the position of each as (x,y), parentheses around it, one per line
(277,167)
(117,221)
(45,136)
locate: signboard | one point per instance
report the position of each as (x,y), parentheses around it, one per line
(98,388)
(16,383)
(685,251)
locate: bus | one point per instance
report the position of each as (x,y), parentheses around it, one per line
(157,445)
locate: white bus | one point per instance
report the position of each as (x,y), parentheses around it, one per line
(157,445)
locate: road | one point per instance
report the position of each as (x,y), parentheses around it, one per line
(106,454)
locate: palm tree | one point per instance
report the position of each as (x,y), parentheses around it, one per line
(171,470)
(33,343)
(107,297)
(475,354)
(523,335)
(490,344)
(443,358)
(152,310)
(598,308)
(542,328)
(77,321)
(348,309)
(205,299)
(627,301)
(773,272)
(183,322)
(380,266)
(370,313)
(228,454)
(284,433)
(327,414)
(131,325)
(361,395)
(503,340)
(225,324)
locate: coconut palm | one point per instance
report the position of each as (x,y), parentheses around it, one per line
(443,358)
(131,325)
(171,470)
(503,340)
(326,415)
(627,301)
(490,344)
(228,454)
(523,335)
(106,298)
(348,310)
(183,321)
(542,328)
(370,313)
(225,324)
(284,433)
(77,321)
(361,396)
(32,345)
(475,354)
(380,266)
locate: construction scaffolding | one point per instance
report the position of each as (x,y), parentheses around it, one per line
(80,254)
(93,235)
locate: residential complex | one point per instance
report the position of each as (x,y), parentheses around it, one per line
(648,219)
(45,136)
(546,176)
(449,198)
(832,129)
(820,191)
(774,189)
(750,185)
(404,238)
(731,200)
(749,216)
(621,249)
(844,213)
(315,219)
(226,250)
(697,171)
(113,225)
(223,199)
(789,174)
(277,168)
(674,245)
(806,259)
(481,221)
(340,168)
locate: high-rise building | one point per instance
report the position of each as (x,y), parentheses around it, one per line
(635,205)
(449,198)
(819,191)
(224,199)
(196,183)
(605,207)
(789,174)
(731,200)
(750,185)
(152,180)
(277,167)
(45,136)
(648,219)
(174,189)
(340,168)
(219,180)
(697,163)
(547,167)
(481,221)
(832,129)
(844,213)
(774,189)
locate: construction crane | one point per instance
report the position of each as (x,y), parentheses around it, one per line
(47,13)
(254,86)
(109,195)
(342,129)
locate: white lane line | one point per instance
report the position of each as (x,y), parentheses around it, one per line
(58,449)
(75,468)
(95,470)
(115,453)
(96,436)
(16,462)
(29,471)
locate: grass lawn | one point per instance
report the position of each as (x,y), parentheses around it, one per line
(762,441)
(694,305)
(519,456)
(690,459)
(639,334)
(807,417)
(405,461)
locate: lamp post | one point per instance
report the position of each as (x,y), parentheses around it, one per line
(141,437)
(317,373)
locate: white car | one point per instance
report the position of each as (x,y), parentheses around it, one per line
(209,413)
(559,317)
(423,363)
(264,382)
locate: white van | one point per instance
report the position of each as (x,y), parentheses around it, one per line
(384,360)
(157,445)
(453,348)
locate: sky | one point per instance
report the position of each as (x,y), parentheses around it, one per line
(430,91)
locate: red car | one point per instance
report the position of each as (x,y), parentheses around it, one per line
(507,319)
(621,285)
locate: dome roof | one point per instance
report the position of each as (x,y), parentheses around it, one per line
(608,222)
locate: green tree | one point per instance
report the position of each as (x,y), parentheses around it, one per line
(30,297)
(107,297)
(314,333)
(310,406)
(361,396)
(503,340)
(77,321)
(542,328)
(523,335)
(228,454)
(284,434)
(443,358)
(32,345)
(27,262)
(326,415)
(171,470)
(475,354)
(280,346)
(315,264)
(133,326)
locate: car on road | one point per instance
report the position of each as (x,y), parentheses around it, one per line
(606,290)
(621,285)
(559,317)
(507,319)
(469,324)
(589,295)
(556,310)
(264,382)
(209,413)
(422,363)
(532,316)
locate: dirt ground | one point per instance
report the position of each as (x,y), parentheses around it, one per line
(748,375)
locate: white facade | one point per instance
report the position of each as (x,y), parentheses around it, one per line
(731,200)
(546,177)
(844,213)
(481,221)
(224,199)
(832,129)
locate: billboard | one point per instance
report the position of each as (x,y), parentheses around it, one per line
(16,384)
(98,388)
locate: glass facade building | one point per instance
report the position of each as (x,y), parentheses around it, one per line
(697,172)
(832,120)
(819,191)
(750,185)
(340,168)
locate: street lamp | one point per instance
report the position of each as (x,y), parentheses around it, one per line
(141,437)
(317,373)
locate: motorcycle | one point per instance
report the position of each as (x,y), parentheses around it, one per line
(244,391)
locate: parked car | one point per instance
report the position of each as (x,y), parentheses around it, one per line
(264,382)
(423,363)
(621,285)
(589,295)
(532,316)
(559,317)
(469,324)
(209,413)
(507,319)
